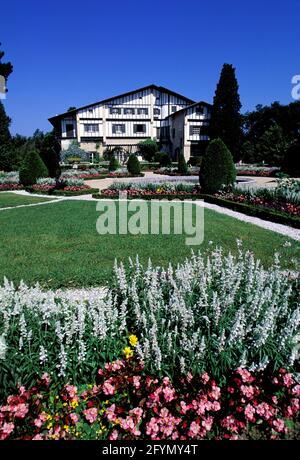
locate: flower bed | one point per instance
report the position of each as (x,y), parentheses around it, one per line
(10,181)
(125,403)
(261,171)
(169,171)
(75,191)
(285,198)
(255,211)
(211,313)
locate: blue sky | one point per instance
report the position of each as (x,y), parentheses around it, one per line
(74,53)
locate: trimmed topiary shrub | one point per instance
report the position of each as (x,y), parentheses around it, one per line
(113,164)
(32,168)
(133,165)
(182,165)
(217,168)
(291,161)
(163,159)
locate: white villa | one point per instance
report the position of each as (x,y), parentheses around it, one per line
(177,122)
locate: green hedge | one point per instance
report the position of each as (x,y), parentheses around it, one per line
(160,196)
(79,192)
(255,211)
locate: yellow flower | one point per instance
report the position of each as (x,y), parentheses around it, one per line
(65,404)
(66,427)
(133,340)
(49,425)
(49,417)
(128,352)
(77,433)
(74,404)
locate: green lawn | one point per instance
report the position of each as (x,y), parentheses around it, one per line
(58,244)
(9,200)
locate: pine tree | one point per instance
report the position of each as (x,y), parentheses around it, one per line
(6,68)
(5,137)
(217,167)
(226,120)
(182,165)
(133,165)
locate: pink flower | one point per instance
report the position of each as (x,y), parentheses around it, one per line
(91,414)
(246,376)
(20,410)
(42,418)
(296,390)
(205,378)
(288,380)
(37,437)
(207,423)
(71,390)
(45,378)
(6,430)
(194,429)
(249,413)
(74,417)
(247,391)
(110,413)
(108,388)
(279,425)
(114,435)
(137,381)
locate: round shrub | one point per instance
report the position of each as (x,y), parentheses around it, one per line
(217,168)
(163,159)
(291,161)
(133,165)
(32,168)
(182,165)
(113,164)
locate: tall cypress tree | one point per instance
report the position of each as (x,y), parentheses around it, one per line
(5,137)
(226,120)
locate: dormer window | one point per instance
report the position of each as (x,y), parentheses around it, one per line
(200,110)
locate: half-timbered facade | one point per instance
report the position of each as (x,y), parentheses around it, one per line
(187,131)
(123,121)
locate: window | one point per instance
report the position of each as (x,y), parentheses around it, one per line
(174,108)
(199,110)
(69,130)
(139,128)
(156,111)
(142,111)
(129,111)
(115,111)
(195,130)
(90,110)
(118,128)
(91,128)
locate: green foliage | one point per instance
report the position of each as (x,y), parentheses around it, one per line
(217,168)
(133,165)
(49,150)
(272,145)
(256,123)
(182,165)
(73,153)
(248,152)
(163,159)
(226,120)
(113,164)
(32,168)
(291,161)
(6,68)
(148,148)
